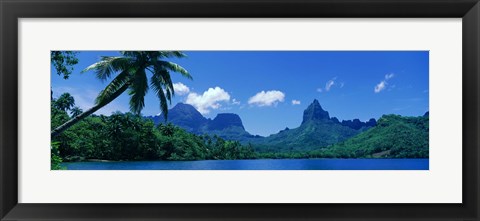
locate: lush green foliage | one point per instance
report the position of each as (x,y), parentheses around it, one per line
(132,137)
(55,159)
(64,102)
(63,62)
(394,137)
(309,136)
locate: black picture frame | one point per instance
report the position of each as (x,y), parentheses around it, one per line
(12,10)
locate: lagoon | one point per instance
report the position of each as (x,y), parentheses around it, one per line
(258,164)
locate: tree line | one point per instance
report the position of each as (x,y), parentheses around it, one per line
(129,137)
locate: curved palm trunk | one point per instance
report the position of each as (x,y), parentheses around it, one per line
(87,113)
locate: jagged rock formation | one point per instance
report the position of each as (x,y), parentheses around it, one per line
(315,112)
(226,125)
(224,121)
(316,131)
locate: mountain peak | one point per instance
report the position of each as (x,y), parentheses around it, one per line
(186,110)
(182,106)
(427,114)
(226,125)
(315,112)
(225,120)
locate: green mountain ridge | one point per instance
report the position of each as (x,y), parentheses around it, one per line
(317,130)
(393,137)
(308,136)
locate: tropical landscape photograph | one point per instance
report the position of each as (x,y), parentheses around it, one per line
(239,110)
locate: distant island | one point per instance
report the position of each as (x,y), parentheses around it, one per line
(188,135)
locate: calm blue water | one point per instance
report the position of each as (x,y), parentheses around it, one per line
(263,164)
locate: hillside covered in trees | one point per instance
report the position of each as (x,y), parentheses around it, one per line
(131,137)
(393,137)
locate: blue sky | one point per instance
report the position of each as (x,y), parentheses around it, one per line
(271,89)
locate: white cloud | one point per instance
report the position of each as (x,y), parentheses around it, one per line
(295,102)
(383,84)
(329,84)
(380,86)
(388,76)
(235,102)
(208,100)
(268,98)
(180,88)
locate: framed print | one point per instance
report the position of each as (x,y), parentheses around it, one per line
(257,110)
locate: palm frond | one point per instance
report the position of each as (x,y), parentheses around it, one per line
(130,53)
(108,66)
(172,54)
(118,82)
(157,84)
(173,67)
(169,93)
(137,91)
(166,80)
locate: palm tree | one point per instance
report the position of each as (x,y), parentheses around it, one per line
(131,74)
(75,111)
(64,102)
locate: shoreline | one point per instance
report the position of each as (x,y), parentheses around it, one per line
(117,161)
